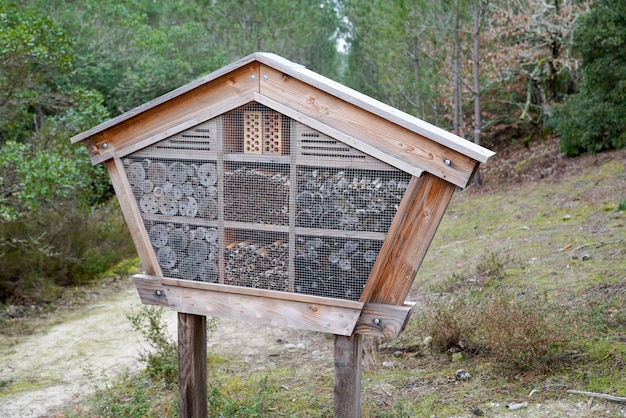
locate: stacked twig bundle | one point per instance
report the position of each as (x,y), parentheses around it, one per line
(257,265)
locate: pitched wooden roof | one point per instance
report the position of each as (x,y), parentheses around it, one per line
(375,128)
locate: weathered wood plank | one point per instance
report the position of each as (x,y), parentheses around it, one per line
(398,144)
(192,366)
(317,300)
(383,320)
(309,315)
(408,239)
(140,237)
(348,367)
(376,107)
(151,291)
(170,116)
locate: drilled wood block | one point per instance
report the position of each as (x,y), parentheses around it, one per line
(253,132)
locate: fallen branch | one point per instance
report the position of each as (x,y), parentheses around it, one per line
(611,398)
(596,244)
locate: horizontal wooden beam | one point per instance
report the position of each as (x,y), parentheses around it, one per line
(251,305)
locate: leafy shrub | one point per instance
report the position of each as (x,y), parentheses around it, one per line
(75,248)
(162,357)
(593,119)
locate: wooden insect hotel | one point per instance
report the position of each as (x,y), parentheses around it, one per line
(268,193)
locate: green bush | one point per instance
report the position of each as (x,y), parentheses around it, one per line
(75,248)
(594,119)
(162,357)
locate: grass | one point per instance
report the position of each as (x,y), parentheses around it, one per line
(523,288)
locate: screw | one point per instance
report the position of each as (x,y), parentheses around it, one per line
(447,162)
(376,321)
(265,77)
(158,293)
(252,77)
(104,145)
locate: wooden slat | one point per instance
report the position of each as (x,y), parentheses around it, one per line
(408,239)
(396,142)
(192,366)
(348,367)
(386,321)
(249,291)
(166,119)
(261,309)
(125,197)
(376,107)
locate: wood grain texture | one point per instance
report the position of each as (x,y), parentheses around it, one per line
(394,142)
(192,366)
(140,237)
(254,305)
(152,122)
(376,107)
(151,291)
(386,321)
(348,367)
(408,239)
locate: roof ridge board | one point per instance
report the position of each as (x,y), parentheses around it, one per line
(390,113)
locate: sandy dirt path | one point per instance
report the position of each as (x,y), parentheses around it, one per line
(49,370)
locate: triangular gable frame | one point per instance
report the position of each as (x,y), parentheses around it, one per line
(401,140)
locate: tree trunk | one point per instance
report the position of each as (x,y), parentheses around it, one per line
(457,74)
(476,67)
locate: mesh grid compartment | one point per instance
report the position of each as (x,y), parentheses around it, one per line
(174,187)
(352,200)
(184,251)
(257,194)
(257,260)
(334,267)
(255,199)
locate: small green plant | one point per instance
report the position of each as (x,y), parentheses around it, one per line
(622,205)
(130,396)
(162,357)
(491,267)
(247,398)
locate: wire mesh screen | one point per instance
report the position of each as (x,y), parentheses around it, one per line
(255,199)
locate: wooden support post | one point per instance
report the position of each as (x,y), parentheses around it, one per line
(348,357)
(192,368)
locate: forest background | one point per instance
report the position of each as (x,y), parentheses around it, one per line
(495,72)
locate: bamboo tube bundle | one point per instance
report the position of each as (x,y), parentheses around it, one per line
(256,195)
(257,265)
(185,252)
(333,267)
(355,200)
